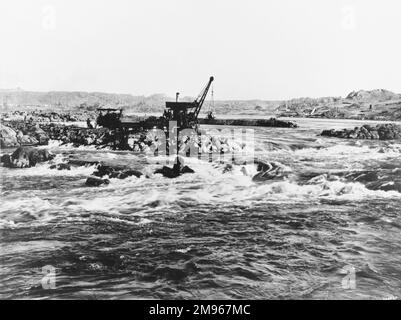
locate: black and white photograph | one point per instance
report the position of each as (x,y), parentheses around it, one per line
(209,151)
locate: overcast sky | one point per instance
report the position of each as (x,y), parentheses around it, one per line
(268,49)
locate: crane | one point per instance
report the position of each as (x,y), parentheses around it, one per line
(186,113)
(201,98)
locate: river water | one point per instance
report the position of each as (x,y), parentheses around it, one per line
(211,234)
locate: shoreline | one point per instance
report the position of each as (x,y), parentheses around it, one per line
(268,116)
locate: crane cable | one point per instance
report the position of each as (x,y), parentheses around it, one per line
(211,101)
(201,93)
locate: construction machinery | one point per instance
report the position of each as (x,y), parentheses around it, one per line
(109,118)
(186,113)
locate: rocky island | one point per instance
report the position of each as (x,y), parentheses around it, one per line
(389,131)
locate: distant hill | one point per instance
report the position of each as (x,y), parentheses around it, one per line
(61,100)
(375,104)
(373,95)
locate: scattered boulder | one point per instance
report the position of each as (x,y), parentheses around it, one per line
(129,173)
(228,168)
(25,157)
(61,166)
(25,134)
(177,170)
(82,163)
(95,181)
(8,137)
(388,131)
(27,140)
(77,136)
(6,160)
(119,172)
(39,135)
(269,171)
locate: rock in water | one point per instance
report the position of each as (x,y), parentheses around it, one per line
(129,173)
(95,181)
(388,131)
(177,170)
(80,163)
(25,157)
(39,135)
(61,166)
(8,137)
(6,160)
(269,171)
(119,172)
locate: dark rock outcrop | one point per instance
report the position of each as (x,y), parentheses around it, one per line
(6,160)
(61,166)
(388,131)
(177,170)
(82,163)
(25,157)
(95,181)
(119,172)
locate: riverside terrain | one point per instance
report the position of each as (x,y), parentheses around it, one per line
(376,104)
(289,224)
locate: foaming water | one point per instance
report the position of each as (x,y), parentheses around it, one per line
(216,233)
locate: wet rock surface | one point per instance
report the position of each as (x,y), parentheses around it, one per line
(119,172)
(269,171)
(80,163)
(25,157)
(61,166)
(388,131)
(178,169)
(96,181)
(6,160)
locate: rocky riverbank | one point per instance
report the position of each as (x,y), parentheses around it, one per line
(19,133)
(15,134)
(43,116)
(37,127)
(388,131)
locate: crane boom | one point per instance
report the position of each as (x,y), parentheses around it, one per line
(201,98)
